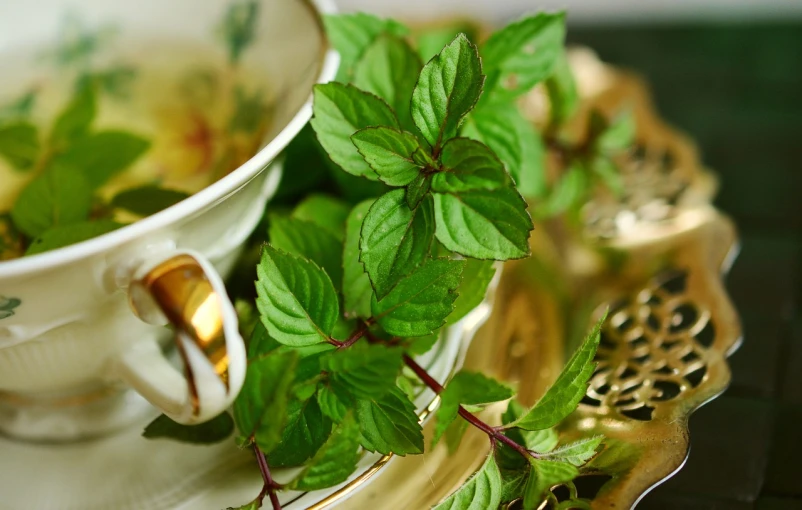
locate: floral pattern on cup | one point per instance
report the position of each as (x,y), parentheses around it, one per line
(7,306)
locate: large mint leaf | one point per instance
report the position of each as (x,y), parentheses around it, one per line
(448,88)
(324,211)
(333,403)
(306,431)
(564,395)
(19,144)
(389,68)
(334,461)
(395,240)
(296,299)
(357,290)
(481,492)
(524,53)
(475,279)
(60,196)
(577,453)
(389,424)
(468,165)
(65,235)
(213,431)
(543,475)
(315,243)
(352,34)
(389,153)
(339,112)
(515,140)
(102,155)
(420,303)
(364,371)
(76,117)
(562,91)
(483,224)
(260,410)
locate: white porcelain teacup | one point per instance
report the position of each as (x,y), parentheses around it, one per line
(80,323)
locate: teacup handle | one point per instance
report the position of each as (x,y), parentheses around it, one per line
(185,291)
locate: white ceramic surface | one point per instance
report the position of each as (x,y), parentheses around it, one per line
(72,334)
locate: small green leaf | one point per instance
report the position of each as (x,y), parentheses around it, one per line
(58,197)
(468,165)
(357,290)
(576,453)
(524,53)
(260,410)
(395,240)
(342,110)
(19,108)
(513,485)
(483,224)
(238,28)
(466,388)
(310,241)
(305,168)
(564,395)
(212,431)
(389,424)
(334,461)
(389,68)
(306,431)
(568,192)
(333,403)
(102,155)
(147,200)
(448,88)
(325,211)
(472,291)
(296,299)
(561,88)
(481,492)
(422,344)
(420,303)
(609,174)
(19,144)
(260,342)
(74,120)
(454,434)
(515,140)
(352,34)
(619,134)
(65,235)
(364,370)
(418,189)
(389,153)
(544,475)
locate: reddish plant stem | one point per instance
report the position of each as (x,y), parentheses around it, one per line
(269,488)
(493,433)
(361,331)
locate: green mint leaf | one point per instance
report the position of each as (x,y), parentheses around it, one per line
(260,342)
(19,108)
(543,475)
(448,88)
(577,453)
(513,484)
(468,165)
(334,461)
(564,395)
(562,91)
(238,27)
(60,196)
(308,166)
(389,424)
(306,431)
(481,491)
(417,189)
(540,441)
(389,153)
(333,403)
(64,235)
(147,200)
(296,299)
(476,277)
(420,303)
(357,290)
(325,211)
(19,144)
(515,140)
(454,434)
(567,193)
(299,237)
(467,388)
(352,34)
(260,410)
(389,68)
(395,240)
(483,224)
(339,112)
(76,118)
(618,134)
(212,431)
(431,41)
(364,371)
(102,155)
(524,53)
(608,173)
(422,344)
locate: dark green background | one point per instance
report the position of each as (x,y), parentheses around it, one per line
(737,89)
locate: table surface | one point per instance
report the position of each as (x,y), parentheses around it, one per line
(737,89)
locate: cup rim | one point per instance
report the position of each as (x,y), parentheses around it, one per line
(327,71)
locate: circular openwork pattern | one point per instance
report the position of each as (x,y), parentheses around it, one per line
(652,349)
